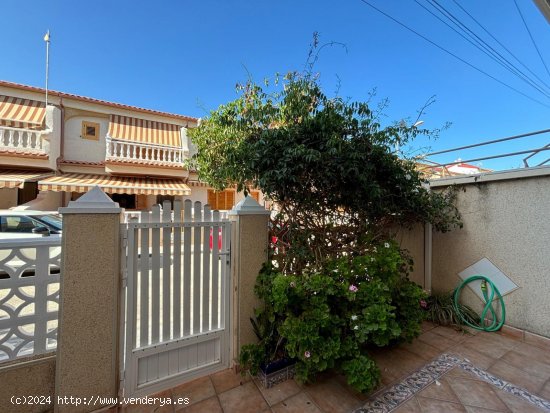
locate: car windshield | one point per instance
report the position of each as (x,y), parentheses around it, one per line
(52,220)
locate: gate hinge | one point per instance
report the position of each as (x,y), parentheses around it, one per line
(122,382)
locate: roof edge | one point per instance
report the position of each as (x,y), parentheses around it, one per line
(20,86)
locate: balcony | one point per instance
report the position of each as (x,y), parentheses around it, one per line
(25,141)
(141,153)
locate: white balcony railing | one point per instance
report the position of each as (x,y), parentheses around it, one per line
(133,151)
(26,140)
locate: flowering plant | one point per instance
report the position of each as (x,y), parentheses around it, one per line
(331,317)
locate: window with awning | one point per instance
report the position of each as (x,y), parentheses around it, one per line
(15,178)
(21,113)
(115,184)
(137,130)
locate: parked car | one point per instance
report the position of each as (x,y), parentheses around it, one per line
(28,224)
(25,224)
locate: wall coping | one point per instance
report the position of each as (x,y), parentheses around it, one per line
(248,206)
(24,362)
(94,201)
(492,176)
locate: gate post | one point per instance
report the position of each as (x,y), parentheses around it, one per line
(248,252)
(87,363)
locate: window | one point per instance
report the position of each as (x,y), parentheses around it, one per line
(17,223)
(125,201)
(222,200)
(27,193)
(90,130)
(255,195)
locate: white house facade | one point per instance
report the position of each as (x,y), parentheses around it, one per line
(50,155)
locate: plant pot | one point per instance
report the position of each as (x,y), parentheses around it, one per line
(276,372)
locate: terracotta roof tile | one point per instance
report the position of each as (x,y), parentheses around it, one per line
(144,162)
(93,100)
(84,163)
(22,153)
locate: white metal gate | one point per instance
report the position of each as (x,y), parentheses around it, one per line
(176,267)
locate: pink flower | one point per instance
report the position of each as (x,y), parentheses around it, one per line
(307,354)
(423,304)
(353,288)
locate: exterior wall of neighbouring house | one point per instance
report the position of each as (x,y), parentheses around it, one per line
(52,140)
(45,201)
(78,148)
(8,197)
(506,219)
(89,156)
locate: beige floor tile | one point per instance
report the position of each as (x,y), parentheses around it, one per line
(492,345)
(436,340)
(389,375)
(211,405)
(539,341)
(470,352)
(524,362)
(227,379)
(533,352)
(451,333)
(427,326)
(243,399)
(476,393)
(517,404)
(545,391)
(410,406)
(440,390)
(330,396)
(196,390)
(406,360)
(421,349)
(471,409)
(389,370)
(516,376)
(279,392)
(299,403)
(439,406)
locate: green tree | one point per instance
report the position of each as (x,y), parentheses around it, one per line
(336,283)
(327,163)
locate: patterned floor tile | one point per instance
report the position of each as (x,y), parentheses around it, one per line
(438,386)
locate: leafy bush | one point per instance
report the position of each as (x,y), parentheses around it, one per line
(329,318)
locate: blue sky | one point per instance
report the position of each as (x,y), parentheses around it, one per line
(186,57)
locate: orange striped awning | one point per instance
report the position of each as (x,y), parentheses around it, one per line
(144,131)
(21,113)
(14,178)
(115,184)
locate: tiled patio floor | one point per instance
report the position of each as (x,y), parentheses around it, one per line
(457,390)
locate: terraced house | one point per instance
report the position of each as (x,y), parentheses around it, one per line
(52,153)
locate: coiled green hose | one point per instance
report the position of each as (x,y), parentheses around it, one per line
(485,282)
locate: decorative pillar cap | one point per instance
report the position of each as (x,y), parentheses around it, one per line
(248,206)
(95,201)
